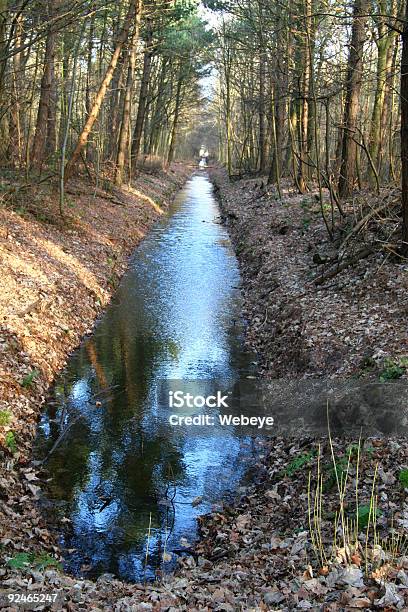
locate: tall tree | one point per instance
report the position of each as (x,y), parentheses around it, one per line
(93,115)
(143,94)
(3,68)
(176,117)
(352,105)
(123,146)
(404,133)
(45,131)
(384,39)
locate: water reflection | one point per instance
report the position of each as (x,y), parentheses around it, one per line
(115,467)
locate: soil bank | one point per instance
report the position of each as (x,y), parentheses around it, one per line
(353,323)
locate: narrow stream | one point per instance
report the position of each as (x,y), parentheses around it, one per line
(116,466)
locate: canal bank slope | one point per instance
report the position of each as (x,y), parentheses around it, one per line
(57,278)
(308,312)
(307,318)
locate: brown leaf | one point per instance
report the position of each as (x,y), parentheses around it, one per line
(359,602)
(308,573)
(356,559)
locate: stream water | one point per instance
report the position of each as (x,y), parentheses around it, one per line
(127,482)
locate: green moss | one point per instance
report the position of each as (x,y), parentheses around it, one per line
(5,417)
(28,380)
(403,478)
(11,443)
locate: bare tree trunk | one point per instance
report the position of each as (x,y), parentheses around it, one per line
(339,141)
(280,95)
(68,122)
(15,150)
(64,88)
(45,112)
(274,173)
(115,104)
(262,82)
(172,146)
(353,88)
(51,139)
(89,61)
(404,134)
(304,102)
(4,136)
(262,135)
(384,59)
(144,86)
(157,119)
(83,139)
(125,125)
(227,66)
(303,129)
(388,117)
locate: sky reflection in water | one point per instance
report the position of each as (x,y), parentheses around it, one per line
(176,316)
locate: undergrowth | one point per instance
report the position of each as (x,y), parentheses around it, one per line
(355,539)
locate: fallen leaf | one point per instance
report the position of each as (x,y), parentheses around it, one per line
(352,576)
(390,598)
(356,559)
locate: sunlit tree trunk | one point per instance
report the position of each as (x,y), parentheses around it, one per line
(93,115)
(176,118)
(89,64)
(158,115)
(4,137)
(389,113)
(303,95)
(144,88)
(125,125)
(117,87)
(384,41)
(15,150)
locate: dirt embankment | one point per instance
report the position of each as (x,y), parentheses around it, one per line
(351,324)
(56,281)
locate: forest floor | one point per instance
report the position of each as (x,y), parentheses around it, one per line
(280,546)
(354,323)
(257,554)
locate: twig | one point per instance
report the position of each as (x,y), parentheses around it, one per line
(349,262)
(60,437)
(363,222)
